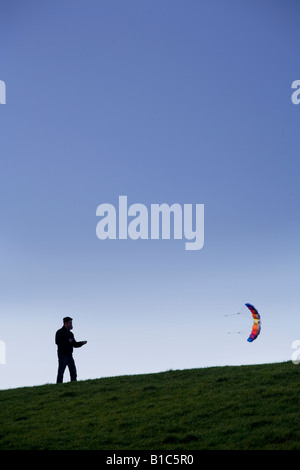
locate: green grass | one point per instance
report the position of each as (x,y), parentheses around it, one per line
(244,407)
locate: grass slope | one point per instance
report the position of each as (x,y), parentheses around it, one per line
(244,407)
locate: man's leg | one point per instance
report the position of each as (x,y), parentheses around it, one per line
(62,364)
(72,369)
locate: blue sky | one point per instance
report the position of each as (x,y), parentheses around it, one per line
(162,101)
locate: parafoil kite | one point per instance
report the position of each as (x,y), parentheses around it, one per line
(256,323)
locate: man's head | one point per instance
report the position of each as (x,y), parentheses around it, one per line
(68,323)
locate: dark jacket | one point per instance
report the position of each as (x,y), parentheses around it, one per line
(65,341)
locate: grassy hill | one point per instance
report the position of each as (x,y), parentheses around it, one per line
(245,407)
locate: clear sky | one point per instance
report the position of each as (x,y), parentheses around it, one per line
(167,101)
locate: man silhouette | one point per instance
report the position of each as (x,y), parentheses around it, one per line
(65,341)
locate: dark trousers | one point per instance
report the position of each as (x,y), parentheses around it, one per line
(65,360)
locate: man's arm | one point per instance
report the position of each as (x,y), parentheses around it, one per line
(58,337)
(77,344)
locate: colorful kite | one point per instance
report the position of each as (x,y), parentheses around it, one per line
(256,323)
